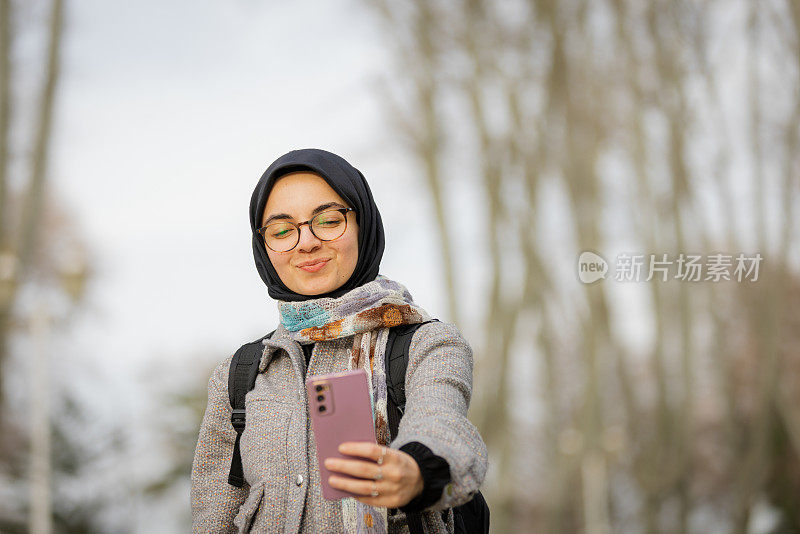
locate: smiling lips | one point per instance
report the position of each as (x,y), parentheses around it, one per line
(313,265)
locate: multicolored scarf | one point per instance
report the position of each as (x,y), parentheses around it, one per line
(366,313)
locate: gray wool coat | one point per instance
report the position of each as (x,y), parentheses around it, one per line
(282,491)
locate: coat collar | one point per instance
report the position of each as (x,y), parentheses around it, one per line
(281,340)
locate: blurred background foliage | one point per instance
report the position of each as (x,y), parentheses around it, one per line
(615,126)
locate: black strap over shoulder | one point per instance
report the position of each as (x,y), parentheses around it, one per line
(398,346)
(241,379)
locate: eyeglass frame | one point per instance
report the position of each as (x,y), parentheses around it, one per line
(343,211)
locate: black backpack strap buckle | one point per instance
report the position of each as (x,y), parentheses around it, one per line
(238,420)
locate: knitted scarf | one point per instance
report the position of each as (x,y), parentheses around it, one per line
(366,313)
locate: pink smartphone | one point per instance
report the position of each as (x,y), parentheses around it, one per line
(340,411)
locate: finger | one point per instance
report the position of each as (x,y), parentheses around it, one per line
(356,468)
(365,449)
(358,487)
(390,499)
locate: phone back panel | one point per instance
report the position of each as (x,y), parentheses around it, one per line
(340,411)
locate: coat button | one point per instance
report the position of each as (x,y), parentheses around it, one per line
(299,480)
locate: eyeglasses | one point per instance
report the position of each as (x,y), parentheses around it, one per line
(283,236)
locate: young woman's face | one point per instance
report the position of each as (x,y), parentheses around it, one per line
(314,266)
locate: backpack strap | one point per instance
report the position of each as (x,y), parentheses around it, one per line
(398,346)
(241,379)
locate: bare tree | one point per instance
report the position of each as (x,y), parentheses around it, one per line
(21,213)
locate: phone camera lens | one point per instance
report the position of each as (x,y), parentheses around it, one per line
(320,398)
(322,408)
(318,387)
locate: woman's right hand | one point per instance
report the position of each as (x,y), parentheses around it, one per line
(392,477)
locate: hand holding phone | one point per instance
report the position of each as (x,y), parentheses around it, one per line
(384,477)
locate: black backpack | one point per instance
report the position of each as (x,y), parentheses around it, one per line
(471,517)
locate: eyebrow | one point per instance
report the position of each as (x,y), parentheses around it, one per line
(318,209)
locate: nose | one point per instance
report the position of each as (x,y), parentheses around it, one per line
(308,241)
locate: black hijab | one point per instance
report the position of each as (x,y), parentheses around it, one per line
(350,184)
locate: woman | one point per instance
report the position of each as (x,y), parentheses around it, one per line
(318,241)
